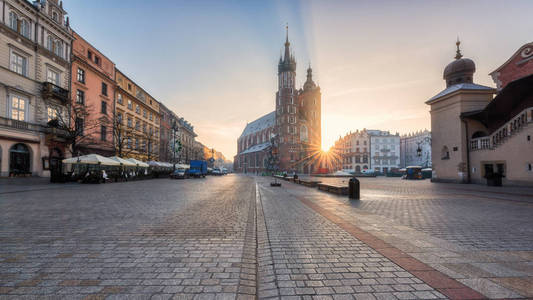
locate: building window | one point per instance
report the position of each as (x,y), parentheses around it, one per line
(25,28)
(90,54)
(80,97)
(303,133)
(144,127)
(103,133)
(104,107)
(79,126)
(52,76)
(129,86)
(119,98)
(104,89)
(13,21)
(51,114)
(136,144)
(138,109)
(119,118)
(58,48)
(144,113)
(151,116)
(18,108)
(445,153)
(130,106)
(97,60)
(130,122)
(55,17)
(137,125)
(129,142)
(18,64)
(81,75)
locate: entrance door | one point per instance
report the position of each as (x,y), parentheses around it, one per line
(56,167)
(489,169)
(19,160)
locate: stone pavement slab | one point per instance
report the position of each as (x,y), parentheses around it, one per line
(393,213)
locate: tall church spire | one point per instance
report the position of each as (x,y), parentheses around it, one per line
(288,63)
(287,45)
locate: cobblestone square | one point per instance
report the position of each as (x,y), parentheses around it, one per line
(235,237)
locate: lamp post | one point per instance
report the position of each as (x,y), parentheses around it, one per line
(174,145)
(419,149)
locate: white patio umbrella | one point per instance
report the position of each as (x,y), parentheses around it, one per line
(91,159)
(138,163)
(123,161)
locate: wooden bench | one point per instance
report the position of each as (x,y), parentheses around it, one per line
(334,189)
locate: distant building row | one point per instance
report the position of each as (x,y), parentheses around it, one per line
(381,151)
(60,96)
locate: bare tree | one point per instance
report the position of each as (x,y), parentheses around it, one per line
(78,128)
(150,145)
(122,137)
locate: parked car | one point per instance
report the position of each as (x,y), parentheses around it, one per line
(216,172)
(180,173)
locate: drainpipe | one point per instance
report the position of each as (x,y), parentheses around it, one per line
(467,152)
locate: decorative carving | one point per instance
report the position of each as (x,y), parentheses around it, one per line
(527,52)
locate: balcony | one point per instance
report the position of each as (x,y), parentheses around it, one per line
(5,122)
(52,91)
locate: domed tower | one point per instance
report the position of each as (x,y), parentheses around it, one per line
(461,70)
(449,130)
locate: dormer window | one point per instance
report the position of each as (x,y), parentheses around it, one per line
(55,16)
(97,60)
(90,54)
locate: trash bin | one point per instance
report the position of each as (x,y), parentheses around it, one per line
(353,188)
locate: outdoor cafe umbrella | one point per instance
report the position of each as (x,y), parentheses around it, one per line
(91,159)
(124,162)
(138,163)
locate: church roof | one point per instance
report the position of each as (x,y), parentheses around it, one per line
(264,122)
(256,148)
(460,86)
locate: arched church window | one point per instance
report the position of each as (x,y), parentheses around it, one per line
(304,136)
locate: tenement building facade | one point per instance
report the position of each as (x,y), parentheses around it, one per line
(384,151)
(289,138)
(186,138)
(477,137)
(352,152)
(35,48)
(92,94)
(136,122)
(415,149)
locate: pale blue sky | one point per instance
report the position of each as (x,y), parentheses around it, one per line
(215,62)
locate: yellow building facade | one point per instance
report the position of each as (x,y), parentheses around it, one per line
(137,120)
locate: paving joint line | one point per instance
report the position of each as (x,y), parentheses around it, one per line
(265,242)
(436,279)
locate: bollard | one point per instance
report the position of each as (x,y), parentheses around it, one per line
(353,188)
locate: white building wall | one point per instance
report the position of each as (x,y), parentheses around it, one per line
(384,151)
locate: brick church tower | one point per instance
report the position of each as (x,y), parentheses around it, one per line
(310,125)
(298,120)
